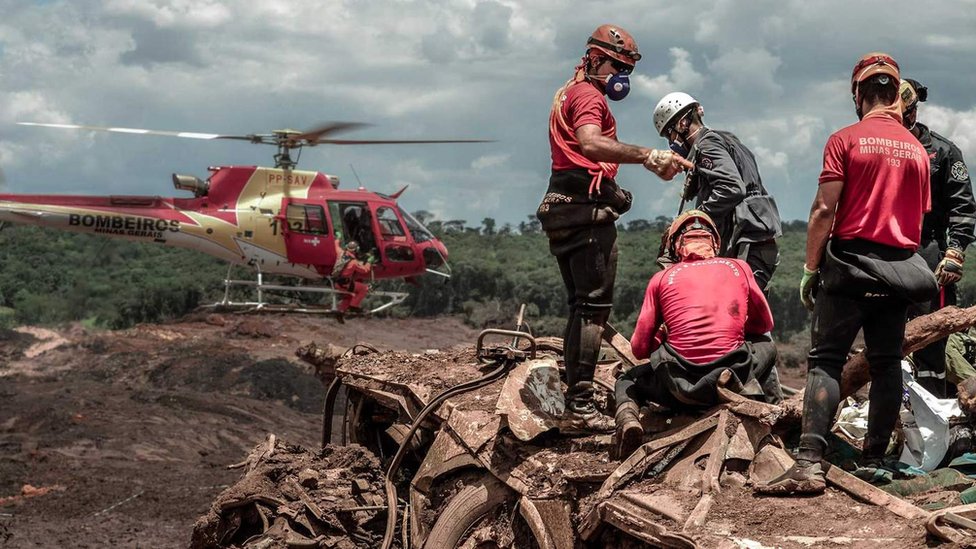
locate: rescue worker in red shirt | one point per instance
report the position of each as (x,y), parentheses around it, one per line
(583,202)
(347,273)
(865,224)
(947,231)
(716,318)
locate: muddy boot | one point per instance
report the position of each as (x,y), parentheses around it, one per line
(804,477)
(630,432)
(581,417)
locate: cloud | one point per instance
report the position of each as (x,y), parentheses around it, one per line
(747,73)
(489,161)
(492,24)
(161,45)
(956,126)
(773,72)
(681,77)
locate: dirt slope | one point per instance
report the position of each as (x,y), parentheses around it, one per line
(127,434)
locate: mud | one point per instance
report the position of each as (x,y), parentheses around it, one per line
(290,496)
(138,426)
(126,439)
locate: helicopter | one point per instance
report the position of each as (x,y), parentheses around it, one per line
(279,221)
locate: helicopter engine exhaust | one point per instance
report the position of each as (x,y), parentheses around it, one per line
(191,183)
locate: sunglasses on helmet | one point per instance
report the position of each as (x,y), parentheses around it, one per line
(631,54)
(621,68)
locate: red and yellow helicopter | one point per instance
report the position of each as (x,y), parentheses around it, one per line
(277,220)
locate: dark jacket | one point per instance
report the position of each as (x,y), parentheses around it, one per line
(952,221)
(725,175)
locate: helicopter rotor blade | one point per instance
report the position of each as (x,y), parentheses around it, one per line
(257,138)
(395,141)
(319,132)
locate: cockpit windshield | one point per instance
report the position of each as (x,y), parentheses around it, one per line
(417,230)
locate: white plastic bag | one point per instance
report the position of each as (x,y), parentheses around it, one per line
(926,425)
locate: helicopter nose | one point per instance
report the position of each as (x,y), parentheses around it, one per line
(435,254)
(442,248)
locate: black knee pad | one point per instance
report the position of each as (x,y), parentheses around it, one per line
(595,313)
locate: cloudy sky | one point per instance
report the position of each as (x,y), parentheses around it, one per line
(772,71)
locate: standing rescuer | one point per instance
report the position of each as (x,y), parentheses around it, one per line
(947,230)
(865,226)
(725,184)
(583,202)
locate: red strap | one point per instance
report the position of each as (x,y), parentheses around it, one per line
(557,121)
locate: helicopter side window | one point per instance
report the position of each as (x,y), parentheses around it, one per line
(389,223)
(306,218)
(417,230)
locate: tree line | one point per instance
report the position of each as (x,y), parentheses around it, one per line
(49,277)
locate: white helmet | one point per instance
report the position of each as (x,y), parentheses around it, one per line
(670,107)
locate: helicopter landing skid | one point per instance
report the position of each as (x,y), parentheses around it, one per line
(391,299)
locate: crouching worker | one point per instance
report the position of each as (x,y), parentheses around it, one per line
(347,273)
(702,315)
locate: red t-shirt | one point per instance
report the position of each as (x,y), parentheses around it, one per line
(584,104)
(885,171)
(708,307)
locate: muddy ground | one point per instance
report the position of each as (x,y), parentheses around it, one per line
(123,439)
(127,435)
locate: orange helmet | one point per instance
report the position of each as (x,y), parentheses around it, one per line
(872,64)
(693,220)
(616,43)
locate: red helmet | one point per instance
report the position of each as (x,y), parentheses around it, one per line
(871,64)
(616,43)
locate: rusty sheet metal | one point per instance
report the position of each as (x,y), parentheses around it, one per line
(661,502)
(653,451)
(550,521)
(473,428)
(635,522)
(740,447)
(532,399)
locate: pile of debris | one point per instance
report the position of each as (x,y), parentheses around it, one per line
(292,497)
(485,466)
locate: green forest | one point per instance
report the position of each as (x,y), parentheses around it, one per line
(51,277)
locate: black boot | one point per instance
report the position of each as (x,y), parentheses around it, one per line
(581,417)
(630,432)
(872,467)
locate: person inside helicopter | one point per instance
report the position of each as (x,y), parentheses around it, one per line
(358,226)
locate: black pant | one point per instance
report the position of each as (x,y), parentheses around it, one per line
(836,321)
(673,382)
(930,361)
(762,257)
(587,260)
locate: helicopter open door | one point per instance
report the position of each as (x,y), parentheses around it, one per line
(397,248)
(308,240)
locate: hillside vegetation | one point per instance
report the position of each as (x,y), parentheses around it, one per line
(50,277)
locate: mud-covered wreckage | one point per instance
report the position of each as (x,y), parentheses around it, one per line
(464,439)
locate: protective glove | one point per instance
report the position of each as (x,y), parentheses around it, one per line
(807,284)
(949,270)
(666,164)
